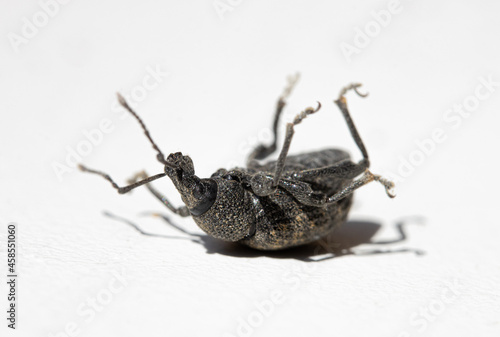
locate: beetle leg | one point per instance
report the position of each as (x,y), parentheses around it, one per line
(366,178)
(280,163)
(303,192)
(306,195)
(345,169)
(342,104)
(182,211)
(262,151)
(264,184)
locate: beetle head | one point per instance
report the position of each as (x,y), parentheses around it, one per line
(198,194)
(219,205)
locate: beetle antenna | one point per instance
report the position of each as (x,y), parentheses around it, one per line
(159,156)
(123,189)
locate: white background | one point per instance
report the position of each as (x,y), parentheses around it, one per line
(226,71)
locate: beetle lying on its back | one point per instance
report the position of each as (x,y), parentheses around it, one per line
(289,202)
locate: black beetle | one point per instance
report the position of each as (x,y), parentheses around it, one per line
(289,202)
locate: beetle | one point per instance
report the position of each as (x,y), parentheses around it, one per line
(291,201)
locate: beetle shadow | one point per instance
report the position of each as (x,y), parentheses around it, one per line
(341,242)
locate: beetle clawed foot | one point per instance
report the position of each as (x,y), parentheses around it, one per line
(389,189)
(389,185)
(352,86)
(307,111)
(355,88)
(311,110)
(317,108)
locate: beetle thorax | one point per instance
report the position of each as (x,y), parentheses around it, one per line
(231,216)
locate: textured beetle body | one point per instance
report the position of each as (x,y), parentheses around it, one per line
(279,204)
(279,220)
(276,221)
(282,221)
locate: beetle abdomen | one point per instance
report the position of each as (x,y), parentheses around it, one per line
(283,222)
